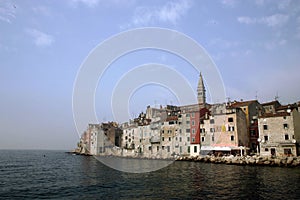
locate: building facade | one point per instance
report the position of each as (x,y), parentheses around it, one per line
(224,131)
(279,133)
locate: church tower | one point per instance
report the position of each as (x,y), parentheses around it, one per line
(201,91)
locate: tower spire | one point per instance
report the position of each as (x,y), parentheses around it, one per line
(201,91)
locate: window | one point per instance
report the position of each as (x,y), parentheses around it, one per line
(212,130)
(193,114)
(287,151)
(284,117)
(169,139)
(193,131)
(193,122)
(168,148)
(266,138)
(266,149)
(252,132)
(157,148)
(193,139)
(202,130)
(162,131)
(211,121)
(180,139)
(187,115)
(180,131)
(202,139)
(188,139)
(230,119)
(232,138)
(187,122)
(189,149)
(180,149)
(212,138)
(125,137)
(150,148)
(230,128)
(286,136)
(265,127)
(195,149)
(163,139)
(188,130)
(253,145)
(285,126)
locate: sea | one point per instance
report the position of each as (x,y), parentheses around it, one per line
(44,174)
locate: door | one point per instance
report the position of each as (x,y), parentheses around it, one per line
(273,152)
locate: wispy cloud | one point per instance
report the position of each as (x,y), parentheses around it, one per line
(40,39)
(271,45)
(7,12)
(171,12)
(271,21)
(280,4)
(283,4)
(89,3)
(274,20)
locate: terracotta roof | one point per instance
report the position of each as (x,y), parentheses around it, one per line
(270,103)
(285,107)
(242,103)
(203,111)
(278,114)
(172,118)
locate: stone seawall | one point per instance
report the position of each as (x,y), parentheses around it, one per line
(246,160)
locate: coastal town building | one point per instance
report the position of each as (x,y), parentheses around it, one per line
(251,109)
(279,131)
(237,127)
(224,131)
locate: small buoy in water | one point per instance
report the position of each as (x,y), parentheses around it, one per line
(44,155)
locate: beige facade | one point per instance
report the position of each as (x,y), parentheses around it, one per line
(279,133)
(224,131)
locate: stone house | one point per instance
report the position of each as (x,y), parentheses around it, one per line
(279,132)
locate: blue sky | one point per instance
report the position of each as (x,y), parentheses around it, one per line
(254,44)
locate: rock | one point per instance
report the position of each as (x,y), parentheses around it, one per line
(277,161)
(252,161)
(289,160)
(267,162)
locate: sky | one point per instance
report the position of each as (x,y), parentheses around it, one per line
(254,44)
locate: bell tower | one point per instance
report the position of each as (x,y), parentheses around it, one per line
(201,91)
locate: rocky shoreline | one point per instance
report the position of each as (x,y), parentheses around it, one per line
(245,160)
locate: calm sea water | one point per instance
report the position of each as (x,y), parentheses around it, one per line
(57,175)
